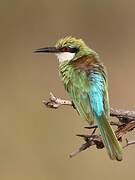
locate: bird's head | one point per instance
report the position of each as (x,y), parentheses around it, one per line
(68,49)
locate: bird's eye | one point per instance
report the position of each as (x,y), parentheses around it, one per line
(70,49)
(65,49)
(73,49)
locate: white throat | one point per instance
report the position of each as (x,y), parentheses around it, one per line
(65,56)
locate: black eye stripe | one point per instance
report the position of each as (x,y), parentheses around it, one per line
(65,49)
(74,50)
(69,49)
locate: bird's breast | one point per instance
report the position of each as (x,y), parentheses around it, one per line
(66,72)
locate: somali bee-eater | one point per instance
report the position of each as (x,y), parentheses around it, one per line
(85,79)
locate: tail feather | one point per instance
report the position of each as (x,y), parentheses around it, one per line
(109,138)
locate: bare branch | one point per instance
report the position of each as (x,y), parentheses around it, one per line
(56,102)
(129,143)
(81,148)
(125,123)
(122,115)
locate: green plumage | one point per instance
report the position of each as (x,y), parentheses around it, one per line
(77,85)
(109,138)
(85,79)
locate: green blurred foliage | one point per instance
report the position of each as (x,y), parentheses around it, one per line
(35,141)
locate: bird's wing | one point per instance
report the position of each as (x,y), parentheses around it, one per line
(98,94)
(78,89)
(88,88)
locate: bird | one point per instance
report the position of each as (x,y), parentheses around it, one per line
(85,79)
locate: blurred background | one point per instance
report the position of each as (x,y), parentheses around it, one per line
(35,142)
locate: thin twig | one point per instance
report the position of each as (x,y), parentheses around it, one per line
(56,102)
(129,143)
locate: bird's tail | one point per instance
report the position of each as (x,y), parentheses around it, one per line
(110,141)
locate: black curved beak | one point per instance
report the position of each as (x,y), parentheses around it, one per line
(47,50)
